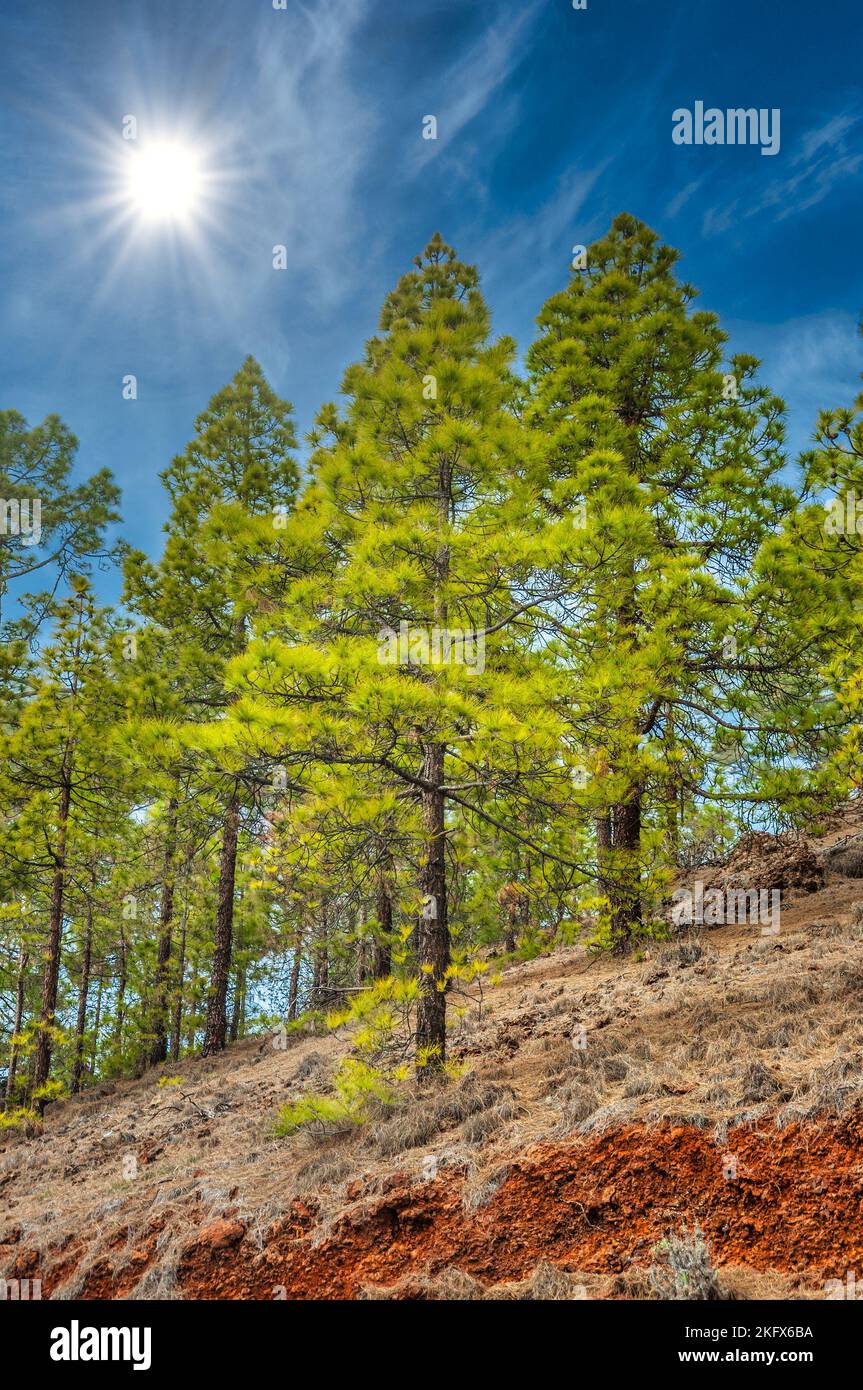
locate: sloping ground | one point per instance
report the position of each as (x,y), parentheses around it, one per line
(597,1207)
(716,1080)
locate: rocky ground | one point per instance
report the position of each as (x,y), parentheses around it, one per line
(605,1106)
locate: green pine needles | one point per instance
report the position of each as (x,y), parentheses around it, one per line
(512,650)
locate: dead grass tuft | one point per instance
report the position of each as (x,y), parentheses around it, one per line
(417,1118)
(546,1283)
(849,862)
(479,1189)
(479,1128)
(326,1169)
(759,1084)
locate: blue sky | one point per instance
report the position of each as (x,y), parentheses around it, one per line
(550,121)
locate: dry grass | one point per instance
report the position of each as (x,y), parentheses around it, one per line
(545,1283)
(478,1108)
(479,1188)
(715,1029)
(849,862)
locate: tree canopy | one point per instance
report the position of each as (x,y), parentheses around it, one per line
(511,649)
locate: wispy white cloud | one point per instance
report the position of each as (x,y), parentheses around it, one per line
(813,361)
(680,199)
(308,139)
(830,134)
(820,351)
(535,248)
(464,90)
(823,159)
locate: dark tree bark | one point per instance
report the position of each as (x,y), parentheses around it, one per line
(51,977)
(382,951)
(294,987)
(238,1013)
(159,1047)
(97,1021)
(362,962)
(524,904)
(120,1020)
(83,991)
(673,793)
(432,934)
(626,898)
(194,1007)
(20,983)
(321,959)
(432,928)
(618,854)
(514,899)
(604,843)
(177,1022)
(217,1010)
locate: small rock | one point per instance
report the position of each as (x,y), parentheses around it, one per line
(221,1235)
(395,1180)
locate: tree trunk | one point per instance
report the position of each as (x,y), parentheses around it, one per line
(433,956)
(51,977)
(524,903)
(432,933)
(294,988)
(176,1027)
(16,1026)
(382,950)
(509,937)
(626,897)
(674,792)
(120,1020)
(194,1001)
(364,968)
(83,991)
(239,1010)
(604,842)
(159,1048)
(321,975)
(97,1021)
(217,1010)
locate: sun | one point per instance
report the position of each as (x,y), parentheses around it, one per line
(164,180)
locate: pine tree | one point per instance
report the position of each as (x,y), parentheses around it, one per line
(47,523)
(667,460)
(806,597)
(410,536)
(58,770)
(239,465)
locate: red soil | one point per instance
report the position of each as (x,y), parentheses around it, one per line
(598,1204)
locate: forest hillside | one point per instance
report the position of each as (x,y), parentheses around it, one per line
(441,862)
(682,1124)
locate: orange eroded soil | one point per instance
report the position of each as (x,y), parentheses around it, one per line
(796,1207)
